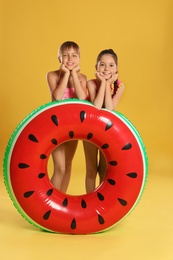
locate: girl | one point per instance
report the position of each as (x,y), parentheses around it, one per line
(104,92)
(67,82)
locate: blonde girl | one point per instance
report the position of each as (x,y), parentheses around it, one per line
(66,82)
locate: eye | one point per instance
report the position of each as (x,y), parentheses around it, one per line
(102,64)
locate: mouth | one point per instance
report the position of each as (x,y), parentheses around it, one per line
(70,64)
(106,74)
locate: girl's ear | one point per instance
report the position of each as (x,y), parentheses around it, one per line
(59,58)
(117,69)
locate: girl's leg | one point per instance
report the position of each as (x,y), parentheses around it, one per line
(70,149)
(58,156)
(91,152)
(62,161)
(102,167)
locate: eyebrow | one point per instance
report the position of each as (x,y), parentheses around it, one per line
(108,63)
(68,52)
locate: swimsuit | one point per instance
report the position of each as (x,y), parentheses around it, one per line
(69,93)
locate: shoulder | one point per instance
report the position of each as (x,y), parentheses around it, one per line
(121,86)
(53,75)
(53,79)
(92,82)
(82,77)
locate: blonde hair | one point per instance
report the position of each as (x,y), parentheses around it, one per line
(68,45)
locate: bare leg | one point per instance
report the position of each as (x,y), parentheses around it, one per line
(58,156)
(62,160)
(91,152)
(102,167)
(70,150)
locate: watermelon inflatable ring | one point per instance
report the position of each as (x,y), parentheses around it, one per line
(26,159)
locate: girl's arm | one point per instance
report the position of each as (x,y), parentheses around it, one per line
(79,81)
(111,103)
(58,84)
(117,96)
(97,95)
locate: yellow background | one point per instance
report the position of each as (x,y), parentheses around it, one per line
(140,32)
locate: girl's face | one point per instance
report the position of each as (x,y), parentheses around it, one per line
(107,66)
(70,58)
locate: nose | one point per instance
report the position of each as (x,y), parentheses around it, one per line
(69,57)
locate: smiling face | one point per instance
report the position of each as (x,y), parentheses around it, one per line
(70,58)
(106,66)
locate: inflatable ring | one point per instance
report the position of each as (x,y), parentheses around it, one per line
(26,159)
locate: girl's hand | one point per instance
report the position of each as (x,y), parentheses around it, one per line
(113,78)
(75,69)
(64,69)
(99,76)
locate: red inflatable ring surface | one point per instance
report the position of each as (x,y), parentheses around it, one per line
(26,159)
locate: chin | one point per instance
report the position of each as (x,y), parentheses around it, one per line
(70,68)
(106,78)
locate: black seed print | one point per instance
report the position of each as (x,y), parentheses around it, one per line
(82,116)
(105,146)
(54,119)
(100,196)
(132,175)
(108,125)
(71,134)
(43,156)
(122,202)
(23,165)
(27,194)
(65,202)
(111,182)
(101,219)
(47,215)
(32,138)
(73,224)
(127,146)
(54,141)
(113,163)
(49,192)
(83,204)
(41,175)
(89,136)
